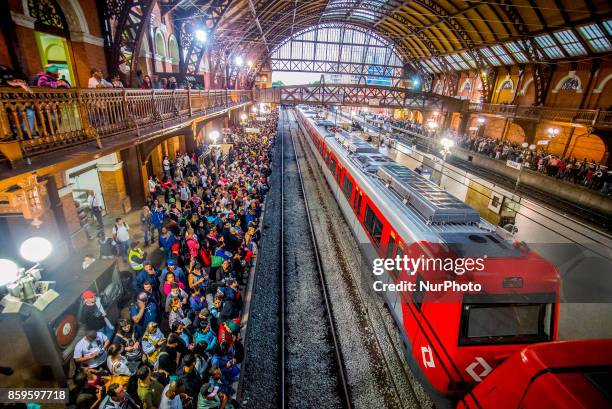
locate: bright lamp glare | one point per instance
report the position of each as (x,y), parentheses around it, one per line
(447,143)
(201,35)
(8,271)
(35,249)
(243,117)
(214,135)
(238,61)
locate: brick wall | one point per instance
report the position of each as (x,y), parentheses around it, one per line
(113,189)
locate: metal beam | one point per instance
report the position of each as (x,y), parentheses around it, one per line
(254,13)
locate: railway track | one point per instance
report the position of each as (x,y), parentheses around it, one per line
(311,362)
(381,335)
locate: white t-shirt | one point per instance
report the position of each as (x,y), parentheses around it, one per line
(166,164)
(93,83)
(122,232)
(166,403)
(85,347)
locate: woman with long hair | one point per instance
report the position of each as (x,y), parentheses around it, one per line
(126,337)
(116,362)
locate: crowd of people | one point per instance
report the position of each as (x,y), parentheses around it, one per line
(593,175)
(178,343)
(590,174)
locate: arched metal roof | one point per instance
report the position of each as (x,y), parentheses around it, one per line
(427,28)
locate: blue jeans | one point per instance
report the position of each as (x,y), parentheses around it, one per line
(123,248)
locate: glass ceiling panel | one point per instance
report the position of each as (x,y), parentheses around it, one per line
(548,46)
(501,53)
(516,52)
(488,54)
(570,42)
(596,38)
(452,62)
(469,59)
(460,61)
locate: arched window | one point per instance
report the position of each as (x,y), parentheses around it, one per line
(160,44)
(334,48)
(467,86)
(571,84)
(173,50)
(507,85)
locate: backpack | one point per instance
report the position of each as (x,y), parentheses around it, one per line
(156,364)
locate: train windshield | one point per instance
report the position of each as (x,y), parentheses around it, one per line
(503,323)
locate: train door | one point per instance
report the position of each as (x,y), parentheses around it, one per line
(395,247)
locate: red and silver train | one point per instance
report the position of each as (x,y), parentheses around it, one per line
(453,340)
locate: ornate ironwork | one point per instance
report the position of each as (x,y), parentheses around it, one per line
(123,25)
(358,95)
(205,15)
(49,16)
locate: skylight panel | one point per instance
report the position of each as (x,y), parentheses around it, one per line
(488,54)
(469,59)
(434,66)
(570,42)
(501,53)
(608,26)
(516,52)
(460,62)
(365,15)
(452,62)
(548,46)
(426,67)
(596,38)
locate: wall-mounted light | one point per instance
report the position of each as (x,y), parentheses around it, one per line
(201,35)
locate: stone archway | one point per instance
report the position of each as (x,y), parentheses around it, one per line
(75,17)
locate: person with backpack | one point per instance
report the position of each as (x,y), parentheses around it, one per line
(121,234)
(108,246)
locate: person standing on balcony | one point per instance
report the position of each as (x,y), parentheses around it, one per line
(171,83)
(116,81)
(156,82)
(49,78)
(97,79)
(146,83)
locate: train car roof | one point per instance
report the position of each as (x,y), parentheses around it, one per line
(417,208)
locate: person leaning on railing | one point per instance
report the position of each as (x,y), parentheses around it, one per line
(49,78)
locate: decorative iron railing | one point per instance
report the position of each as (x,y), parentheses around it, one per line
(587,117)
(46,120)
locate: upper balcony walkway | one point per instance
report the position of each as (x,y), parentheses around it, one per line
(47,125)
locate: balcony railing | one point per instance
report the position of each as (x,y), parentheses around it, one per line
(587,117)
(48,119)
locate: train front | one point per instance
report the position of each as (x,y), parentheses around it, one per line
(473,319)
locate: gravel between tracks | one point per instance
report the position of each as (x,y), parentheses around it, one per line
(261,371)
(372,383)
(311,377)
